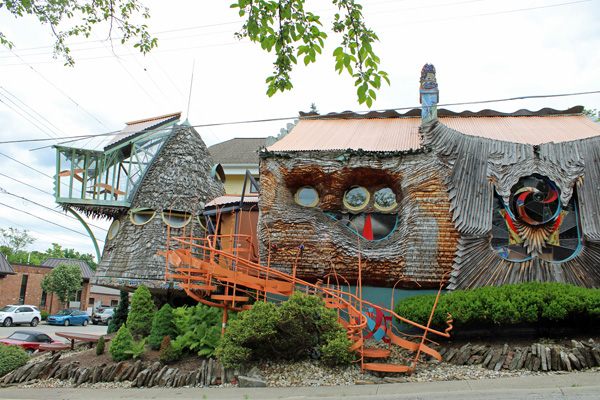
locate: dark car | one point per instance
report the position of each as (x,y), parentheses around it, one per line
(69,317)
(29,340)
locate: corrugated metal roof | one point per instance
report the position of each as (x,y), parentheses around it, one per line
(5,268)
(100,143)
(86,271)
(401,134)
(377,134)
(226,200)
(237,151)
(527,130)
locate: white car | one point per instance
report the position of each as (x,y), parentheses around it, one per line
(20,314)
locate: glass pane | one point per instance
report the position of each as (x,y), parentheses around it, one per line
(385,199)
(114,229)
(307,196)
(356,198)
(176,219)
(142,217)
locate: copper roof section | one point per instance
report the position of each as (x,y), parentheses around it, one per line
(526,130)
(233,199)
(134,127)
(391,131)
(377,134)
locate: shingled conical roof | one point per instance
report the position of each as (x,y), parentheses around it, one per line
(177,180)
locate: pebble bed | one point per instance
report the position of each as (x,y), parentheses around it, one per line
(309,374)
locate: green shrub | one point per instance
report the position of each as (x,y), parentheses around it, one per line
(11,358)
(44,315)
(137,349)
(120,316)
(291,331)
(199,329)
(121,344)
(163,325)
(100,346)
(336,350)
(543,305)
(141,314)
(166,355)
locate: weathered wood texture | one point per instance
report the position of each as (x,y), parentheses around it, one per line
(421,247)
(477,166)
(177,179)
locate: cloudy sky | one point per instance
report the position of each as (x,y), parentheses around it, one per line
(482,49)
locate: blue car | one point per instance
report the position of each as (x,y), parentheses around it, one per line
(69,317)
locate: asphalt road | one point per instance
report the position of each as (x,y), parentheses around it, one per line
(52,329)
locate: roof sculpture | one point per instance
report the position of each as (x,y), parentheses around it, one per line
(493,197)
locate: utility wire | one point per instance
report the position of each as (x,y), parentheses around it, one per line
(40,218)
(541,96)
(2,190)
(30,167)
(29,114)
(26,184)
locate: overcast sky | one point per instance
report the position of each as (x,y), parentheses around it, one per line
(482,50)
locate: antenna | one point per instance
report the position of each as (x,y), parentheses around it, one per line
(191,85)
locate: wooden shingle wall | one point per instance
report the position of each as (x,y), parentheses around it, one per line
(178,179)
(421,247)
(477,166)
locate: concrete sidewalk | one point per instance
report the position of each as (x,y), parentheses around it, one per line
(580,385)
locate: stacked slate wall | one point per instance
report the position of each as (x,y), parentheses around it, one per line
(421,247)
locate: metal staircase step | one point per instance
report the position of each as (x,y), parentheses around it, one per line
(373,352)
(386,367)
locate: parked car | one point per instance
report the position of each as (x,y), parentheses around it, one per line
(29,340)
(20,314)
(68,317)
(103,316)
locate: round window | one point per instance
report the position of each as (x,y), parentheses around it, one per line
(535,200)
(114,229)
(385,199)
(356,198)
(176,219)
(307,196)
(141,216)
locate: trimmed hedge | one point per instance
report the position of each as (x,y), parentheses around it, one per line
(11,358)
(540,304)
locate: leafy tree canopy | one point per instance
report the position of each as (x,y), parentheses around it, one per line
(286,27)
(64,281)
(58,252)
(15,240)
(592,113)
(82,16)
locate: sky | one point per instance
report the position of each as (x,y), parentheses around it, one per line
(482,49)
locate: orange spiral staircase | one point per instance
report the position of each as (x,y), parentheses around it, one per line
(228,279)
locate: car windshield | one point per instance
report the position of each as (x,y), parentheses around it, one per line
(8,309)
(19,336)
(64,312)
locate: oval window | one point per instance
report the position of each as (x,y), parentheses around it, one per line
(356,198)
(385,199)
(114,229)
(202,222)
(141,216)
(307,196)
(176,219)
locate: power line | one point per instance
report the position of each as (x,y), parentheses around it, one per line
(28,166)
(2,190)
(40,218)
(26,184)
(541,96)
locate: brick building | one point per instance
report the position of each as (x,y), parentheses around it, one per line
(21,284)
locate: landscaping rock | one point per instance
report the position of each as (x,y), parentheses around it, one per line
(247,381)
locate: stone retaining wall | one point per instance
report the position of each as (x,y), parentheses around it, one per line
(537,357)
(209,373)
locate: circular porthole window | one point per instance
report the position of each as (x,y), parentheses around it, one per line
(141,216)
(385,199)
(535,200)
(356,198)
(307,196)
(176,219)
(114,229)
(202,222)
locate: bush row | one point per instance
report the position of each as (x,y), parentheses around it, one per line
(536,303)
